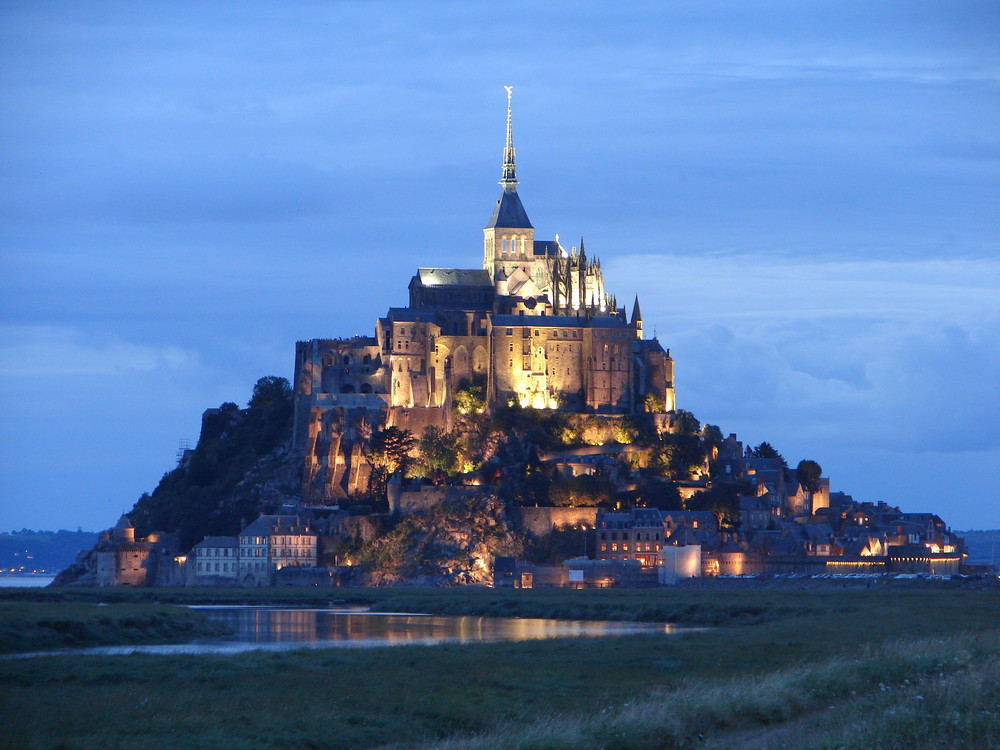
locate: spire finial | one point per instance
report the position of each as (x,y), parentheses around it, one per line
(509,180)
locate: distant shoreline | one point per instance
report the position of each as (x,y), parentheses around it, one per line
(26,580)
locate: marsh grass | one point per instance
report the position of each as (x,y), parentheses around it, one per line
(778,669)
(919,694)
(688,607)
(31,626)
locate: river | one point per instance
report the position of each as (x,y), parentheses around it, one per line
(285,628)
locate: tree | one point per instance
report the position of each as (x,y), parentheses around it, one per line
(390,448)
(712,436)
(653,403)
(581,491)
(470,396)
(271,390)
(439,450)
(808,474)
(723,499)
(686,423)
(765,450)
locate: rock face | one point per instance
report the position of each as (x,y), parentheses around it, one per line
(451,543)
(243,465)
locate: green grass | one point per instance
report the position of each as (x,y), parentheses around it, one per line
(829,648)
(916,694)
(35,626)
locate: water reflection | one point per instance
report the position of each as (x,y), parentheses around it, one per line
(278,629)
(347,628)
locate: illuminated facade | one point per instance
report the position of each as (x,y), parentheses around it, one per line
(121,558)
(216,557)
(271,543)
(534,324)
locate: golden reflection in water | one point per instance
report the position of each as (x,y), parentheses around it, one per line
(311,626)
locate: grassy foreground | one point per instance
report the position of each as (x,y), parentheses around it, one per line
(31,626)
(823,669)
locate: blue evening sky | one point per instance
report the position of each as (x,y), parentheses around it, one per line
(803,194)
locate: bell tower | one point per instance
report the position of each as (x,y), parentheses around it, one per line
(508,238)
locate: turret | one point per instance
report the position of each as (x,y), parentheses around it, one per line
(124,531)
(637,318)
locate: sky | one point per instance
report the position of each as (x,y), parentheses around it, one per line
(804,195)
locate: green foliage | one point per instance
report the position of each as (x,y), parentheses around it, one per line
(389,452)
(270,391)
(470,396)
(450,543)
(808,474)
(559,546)
(685,423)
(652,492)
(722,499)
(390,448)
(788,668)
(712,436)
(765,450)
(654,403)
(207,494)
(582,491)
(36,626)
(439,451)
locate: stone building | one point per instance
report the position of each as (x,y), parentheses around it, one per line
(272,543)
(121,558)
(535,324)
(215,558)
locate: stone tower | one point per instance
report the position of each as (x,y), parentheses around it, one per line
(509,238)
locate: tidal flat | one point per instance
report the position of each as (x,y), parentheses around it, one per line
(907,668)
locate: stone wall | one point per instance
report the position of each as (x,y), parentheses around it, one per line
(429,496)
(542,521)
(417,419)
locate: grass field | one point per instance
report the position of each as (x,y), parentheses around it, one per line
(40,626)
(854,668)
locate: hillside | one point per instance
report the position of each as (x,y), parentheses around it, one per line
(30,551)
(242,466)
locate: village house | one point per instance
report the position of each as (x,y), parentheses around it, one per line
(215,557)
(271,543)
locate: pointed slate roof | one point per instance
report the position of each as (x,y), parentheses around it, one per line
(509,213)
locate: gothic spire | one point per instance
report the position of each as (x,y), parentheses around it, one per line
(509,213)
(509,180)
(636,312)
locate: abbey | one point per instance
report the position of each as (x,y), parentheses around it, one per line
(534,326)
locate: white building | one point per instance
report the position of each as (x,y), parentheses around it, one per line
(216,557)
(271,543)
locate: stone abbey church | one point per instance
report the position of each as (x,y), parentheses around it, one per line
(534,324)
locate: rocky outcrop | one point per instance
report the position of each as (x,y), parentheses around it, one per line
(451,543)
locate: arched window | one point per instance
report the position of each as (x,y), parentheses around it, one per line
(365,388)
(347,388)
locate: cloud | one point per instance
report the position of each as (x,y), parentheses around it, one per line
(900,355)
(56,353)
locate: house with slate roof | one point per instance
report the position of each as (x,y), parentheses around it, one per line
(272,543)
